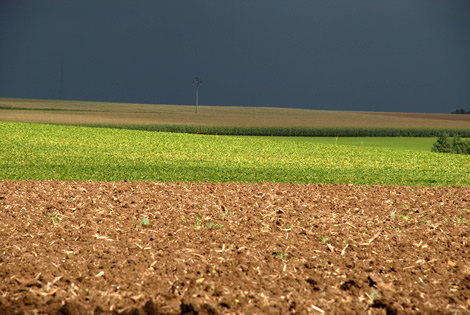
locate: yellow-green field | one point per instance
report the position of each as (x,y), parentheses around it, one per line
(78,112)
(52,152)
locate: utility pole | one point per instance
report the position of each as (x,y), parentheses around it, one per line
(196,82)
(62,82)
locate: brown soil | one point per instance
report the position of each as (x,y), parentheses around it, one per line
(85,248)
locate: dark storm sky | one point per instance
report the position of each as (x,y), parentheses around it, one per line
(379,55)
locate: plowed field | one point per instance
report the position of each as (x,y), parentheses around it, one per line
(155,248)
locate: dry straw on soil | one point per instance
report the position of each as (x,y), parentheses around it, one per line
(150,248)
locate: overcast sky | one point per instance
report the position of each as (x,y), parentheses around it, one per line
(377,55)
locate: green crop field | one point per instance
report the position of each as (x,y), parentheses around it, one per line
(399,143)
(36,151)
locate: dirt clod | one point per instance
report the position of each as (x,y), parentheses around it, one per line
(73,308)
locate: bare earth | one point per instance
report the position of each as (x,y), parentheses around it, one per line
(155,248)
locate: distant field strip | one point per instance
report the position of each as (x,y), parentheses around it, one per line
(40,109)
(218,119)
(35,151)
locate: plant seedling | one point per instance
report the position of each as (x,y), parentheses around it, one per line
(223,215)
(405,217)
(323,239)
(210,225)
(461,219)
(144,222)
(280,255)
(198,223)
(372,296)
(54,218)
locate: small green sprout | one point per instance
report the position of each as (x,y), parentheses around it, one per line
(211,225)
(223,215)
(198,223)
(280,255)
(405,217)
(323,239)
(144,222)
(461,219)
(372,296)
(54,218)
(393,214)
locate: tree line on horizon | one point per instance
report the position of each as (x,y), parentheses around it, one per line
(461,111)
